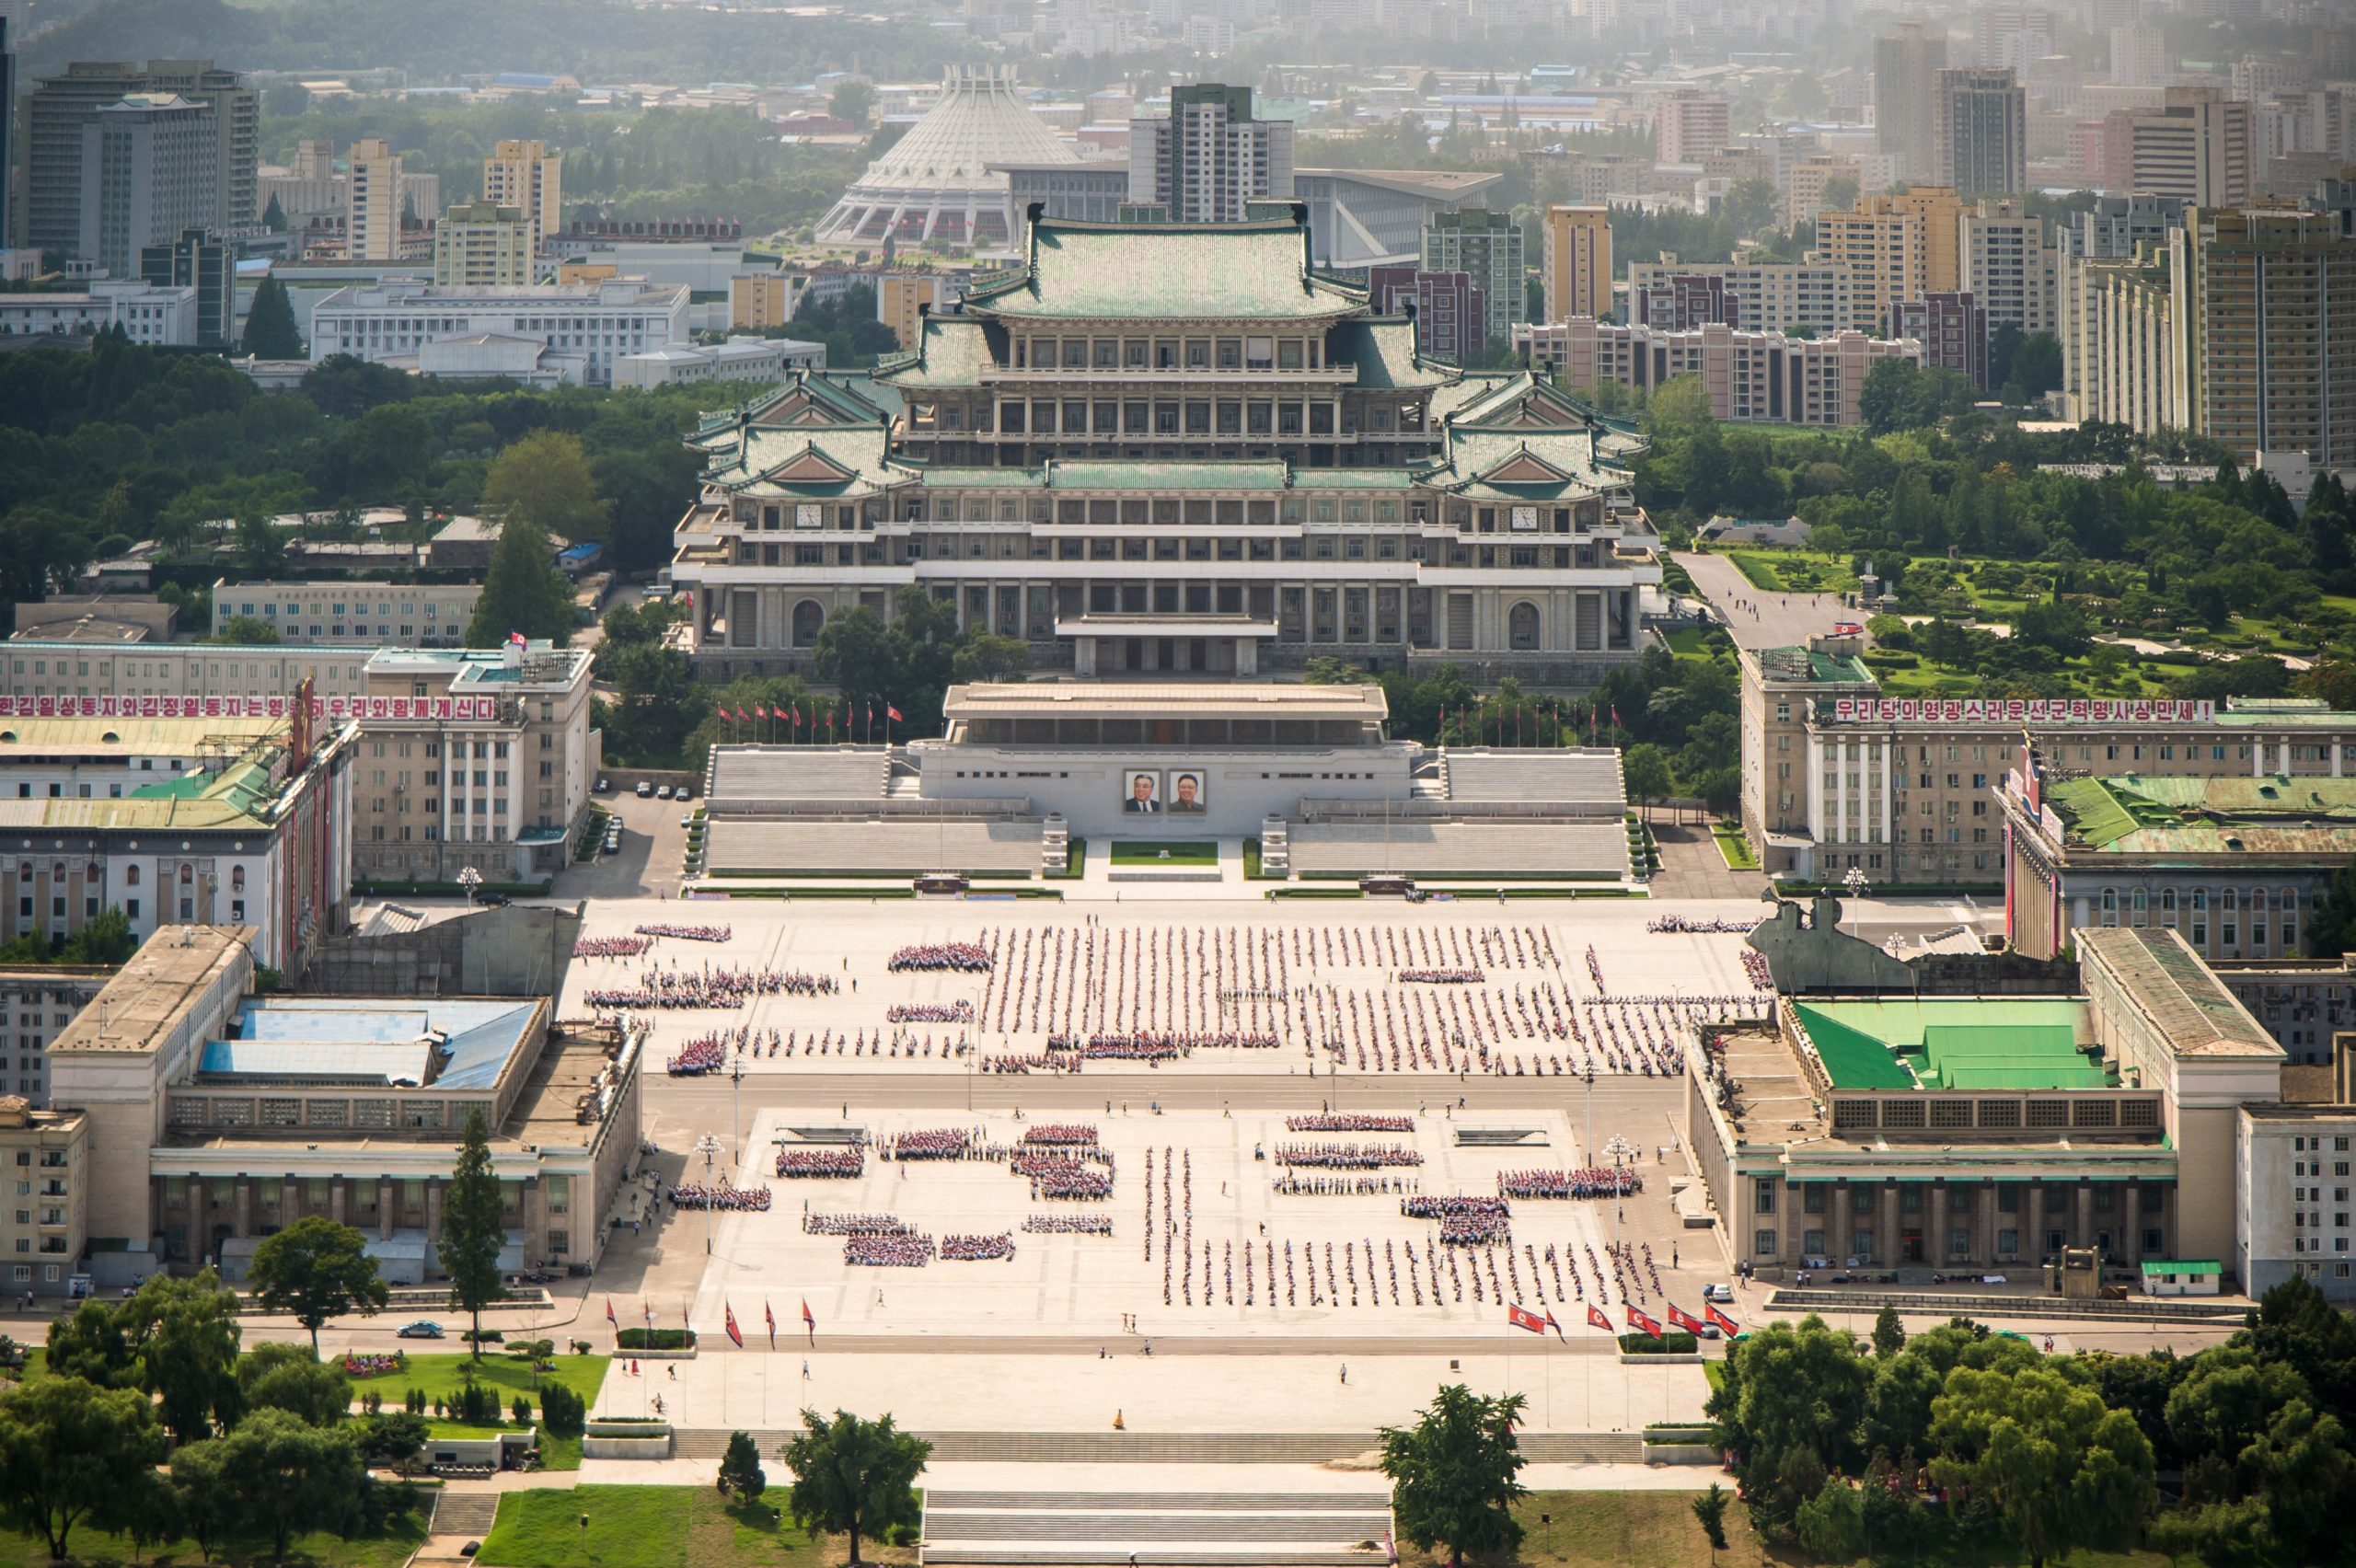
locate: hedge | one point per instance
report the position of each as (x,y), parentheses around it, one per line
(1674,1342)
(656,1339)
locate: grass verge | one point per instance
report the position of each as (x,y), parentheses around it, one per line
(441,1376)
(1177,852)
(658,1527)
(1732,847)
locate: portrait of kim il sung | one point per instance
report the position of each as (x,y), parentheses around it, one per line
(1141,792)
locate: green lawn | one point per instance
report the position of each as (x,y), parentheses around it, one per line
(97,1549)
(439,1374)
(1794,571)
(1175,852)
(1734,847)
(657,1527)
(1688,642)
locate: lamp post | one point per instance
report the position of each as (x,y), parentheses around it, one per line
(735,1102)
(469,879)
(707,1146)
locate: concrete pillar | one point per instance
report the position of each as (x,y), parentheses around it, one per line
(434,1208)
(2082,1218)
(242,1208)
(384,1209)
(1936,1224)
(536,1221)
(290,1201)
(1083,655)
(2033,1243)
(339,1200)
(1247,655)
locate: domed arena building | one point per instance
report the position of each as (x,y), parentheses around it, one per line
(943,184)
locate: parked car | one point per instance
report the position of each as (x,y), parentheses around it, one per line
(688,819)
(646,790)
(662,791)
(1723,1294)
(421,1331)
(601,787)
(493,900)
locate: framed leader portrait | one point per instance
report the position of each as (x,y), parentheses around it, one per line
(1141,792)
(1187,793)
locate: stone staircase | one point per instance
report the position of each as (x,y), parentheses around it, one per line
(1430,783)
(1055,845)
(1275,847)
(2140,1309)
(464,1513)
(1317,1528)
(902,780)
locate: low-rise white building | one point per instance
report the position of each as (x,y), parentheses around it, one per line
(738,359)
(397,319)
(1753,378)
(147,314)
(57,668)
(367,615)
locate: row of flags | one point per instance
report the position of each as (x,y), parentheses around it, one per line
(1522,1318)
(1481,717)
(809,1322)
(792,716)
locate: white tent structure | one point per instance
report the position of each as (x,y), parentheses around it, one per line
(936,184)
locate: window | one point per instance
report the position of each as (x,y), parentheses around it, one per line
(1762,1194)
(1763,1243)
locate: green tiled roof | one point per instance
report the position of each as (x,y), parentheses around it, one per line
(1960,1042)
(953,352)
(1796,664)
(2276,814)
(1269,475)
(1384,352)
(1255,272)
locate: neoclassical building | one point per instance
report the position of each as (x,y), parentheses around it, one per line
(1175,448)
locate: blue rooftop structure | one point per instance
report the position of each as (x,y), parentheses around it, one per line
(438,1044)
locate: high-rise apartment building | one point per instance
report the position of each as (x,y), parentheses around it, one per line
(2128,374)
(1813,298)
(7,136)
(2014,36)
(1575,260)
(1979,129)
(1688,126)
(482,245)
(903,299)
(1952,328)
(2265,307)
(2112,231)
(527,175)
(2005,264)
(59,108)
(1905,61)
(1811,187)
(1489,245)
(201,261)
(2139,56)
(371,203)
(2198,145)
(1895,247)
(1452,319)
(1208,159)
(150,163)
(757,300)
(1761,378)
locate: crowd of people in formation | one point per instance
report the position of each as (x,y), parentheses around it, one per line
(1687,923)
(830,1161)
(863,1043)
(1344,1186)
(1177,1221)
(1465,1219)
(855,1225)
(1030,1062)
(705,1053)
(687,933)
(939,1143)
(718,1195)
(1595,1182)
(964,958)
(890,1250)
(712,986)
(930,1012)
(610,947)
(1356,1274)
(1346,1156)
(1348,1122)
(1068,1224)
(976,1248)
(358,1366)
(1442,976)
(1059,1175)
(1754,963)
(1060,1135)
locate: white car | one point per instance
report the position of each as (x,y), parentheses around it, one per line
(1722,1294)
(646,790)
(663,792)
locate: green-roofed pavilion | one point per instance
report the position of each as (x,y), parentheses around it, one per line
(1960,1042)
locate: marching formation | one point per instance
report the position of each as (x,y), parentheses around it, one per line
(826,1163)
(720,1195)
(962,958)
(688,933)
(663,990)
(1604,1182)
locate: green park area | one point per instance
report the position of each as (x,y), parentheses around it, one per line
(388,1547)
(660,1527)
(1177,852)
(1732,847)
(442,1376)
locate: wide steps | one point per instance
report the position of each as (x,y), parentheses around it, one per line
(465,1513)
(1149,1502)
(1191,1527)
(1145,1527)
(1151,1557)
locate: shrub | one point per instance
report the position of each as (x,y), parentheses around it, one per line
(521,1409)
(562,1412)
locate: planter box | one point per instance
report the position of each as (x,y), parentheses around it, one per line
(626,1448)
(1628,1360)
(653,1354)
(610,1428)
(1680,1453)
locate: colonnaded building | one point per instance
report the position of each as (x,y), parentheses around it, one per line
(1158,448)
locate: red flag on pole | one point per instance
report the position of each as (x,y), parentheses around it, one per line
(1553,1325)
(1595,1315)
(646,1310)
(609,1315)
(1521,1319)
(1680,1318)
(771,1316)
(723,713)
(759,711)
(1721,1319)
(1639,1320)
(734,1334)
(808,1321)
(739,717)
(892,714)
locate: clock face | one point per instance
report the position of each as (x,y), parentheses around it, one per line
(1525,520)
(809,514)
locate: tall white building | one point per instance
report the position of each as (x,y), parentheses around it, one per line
(2006,264)
(151,167)
(1208,158)
(525,174)
(1979,129)
(371,203)
(2112,231)
(598,322)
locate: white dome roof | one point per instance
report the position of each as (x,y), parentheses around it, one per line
(941,168)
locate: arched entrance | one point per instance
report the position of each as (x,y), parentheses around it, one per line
(808,617)
(1522,628)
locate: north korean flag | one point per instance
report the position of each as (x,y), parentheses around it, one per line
(734,1334)
(1595,1315)
(1639,1321)
(1727,1324)
(1521,1319)
(1680,1319)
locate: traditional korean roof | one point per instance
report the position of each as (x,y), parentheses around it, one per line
(1249,271)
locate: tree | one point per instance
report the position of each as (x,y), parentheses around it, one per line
(1710,1512)
(2062,1469)
(524,590)
(273,218)
(184,1334)
(316,1269)
(546,478)
(205,1501)
(288,1477)
(1454,1475)
(392,1438)
(104,938)
(270,332)
(852,99)
(853,1477)
(1889,1334)
(472,1228)
(251,630)
(2332,930)
(284,1376)
(740,1468)
(1833,1523)
(70,1451)
(1647,772)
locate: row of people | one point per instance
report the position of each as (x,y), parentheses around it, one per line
(718,1195)
(1344,1186)
(1442,977)
(1346,1156)
(708,1053)
(1693,923)
(661,989)
(930,1012)
(824,1163)
(854,1224)
(905,1250)
(610,947)
(976,1248)
(1349,1122)
(1594,1181)
(1061,1134)
(962,958)
(687,933)
(1068,1224)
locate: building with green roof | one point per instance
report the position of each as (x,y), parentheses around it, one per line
(1174,447)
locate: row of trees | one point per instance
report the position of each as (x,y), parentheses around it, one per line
(1902,1449)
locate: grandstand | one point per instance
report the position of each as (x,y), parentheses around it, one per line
(748,847)
(1585,852)
(752,774)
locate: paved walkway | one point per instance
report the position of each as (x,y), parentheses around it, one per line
(1758,618)
(1692,867)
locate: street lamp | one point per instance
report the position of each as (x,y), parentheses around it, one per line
(470,879)
(707,1146)
(736,1100)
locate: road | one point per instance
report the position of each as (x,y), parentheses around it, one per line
(1757,618)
